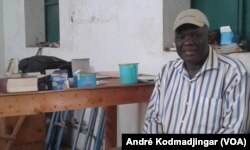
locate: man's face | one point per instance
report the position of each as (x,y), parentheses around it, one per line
(192,43)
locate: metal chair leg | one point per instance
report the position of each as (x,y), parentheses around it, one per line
(78,130)
(100,131)
(62,126)
(91,126)
(51,131)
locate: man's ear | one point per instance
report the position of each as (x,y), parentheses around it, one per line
(213,37)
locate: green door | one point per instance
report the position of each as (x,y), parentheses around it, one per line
(235,13)
(221,13)
(246,23)
(52,21)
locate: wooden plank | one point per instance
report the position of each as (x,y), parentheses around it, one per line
(30,146)
(33,130)
(20,133)
(109,96)
(14,132)
(42,102)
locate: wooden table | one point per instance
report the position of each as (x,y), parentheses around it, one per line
(109,96)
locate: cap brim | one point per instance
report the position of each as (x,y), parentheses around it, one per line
(180,23)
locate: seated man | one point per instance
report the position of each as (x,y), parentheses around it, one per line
(202,91)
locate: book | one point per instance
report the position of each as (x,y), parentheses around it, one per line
(10,85)
(146,78)
(107,74)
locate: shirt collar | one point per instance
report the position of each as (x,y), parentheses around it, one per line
(211,62)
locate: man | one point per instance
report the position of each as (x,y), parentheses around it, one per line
(202,91)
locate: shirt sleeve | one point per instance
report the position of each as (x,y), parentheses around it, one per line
(237,107)
(153,123)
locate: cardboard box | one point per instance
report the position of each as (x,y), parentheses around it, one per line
(83,80)
(59,80)
(226,35)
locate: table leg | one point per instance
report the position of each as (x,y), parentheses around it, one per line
(111,127)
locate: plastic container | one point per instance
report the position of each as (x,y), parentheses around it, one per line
(128,73)
(83,80)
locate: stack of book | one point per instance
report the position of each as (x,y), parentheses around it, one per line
(24,84)
(10,85)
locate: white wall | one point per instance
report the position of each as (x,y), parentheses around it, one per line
(34,22)
(2,53)
(168,35)
(124,30)
(108,32)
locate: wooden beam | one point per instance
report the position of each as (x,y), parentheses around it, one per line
(109,96)
(51,101)
(14,132)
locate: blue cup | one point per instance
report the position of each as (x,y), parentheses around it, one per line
(128,73)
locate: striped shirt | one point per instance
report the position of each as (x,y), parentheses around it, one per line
(215,100)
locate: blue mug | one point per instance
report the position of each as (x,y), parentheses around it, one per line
(128,73)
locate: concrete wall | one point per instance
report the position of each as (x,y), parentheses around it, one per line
(126,30)
(34,22)
(2,53)
(168,34)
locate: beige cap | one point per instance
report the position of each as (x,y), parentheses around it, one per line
(191,16)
